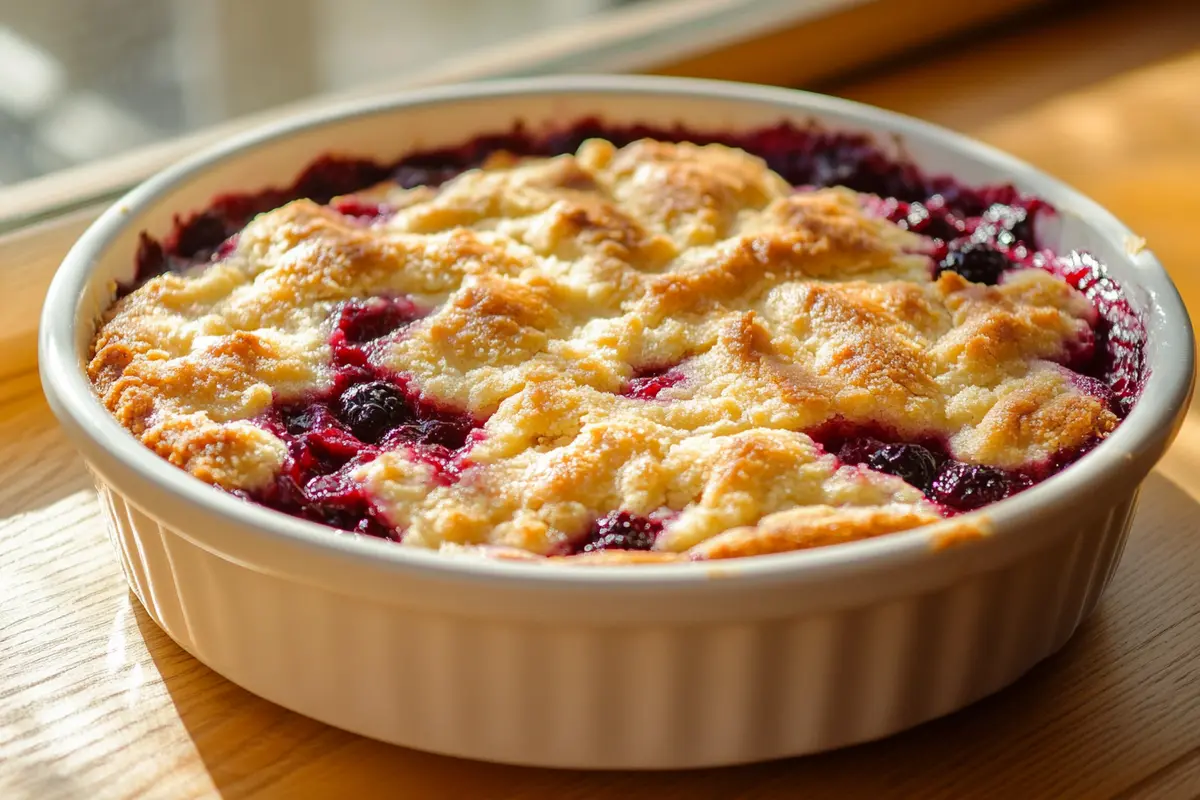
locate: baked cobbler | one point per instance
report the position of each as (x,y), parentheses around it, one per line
(620,346)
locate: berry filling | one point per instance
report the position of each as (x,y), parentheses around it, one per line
(330,436)
(929,218)
(926,465)
(647,383)
(367,412)
(1120,333)
(914,464)
(620,530)
(359,210)
(979,233)
(1097,389)
(976,262)
(966,487)
(372,409)
(364,321)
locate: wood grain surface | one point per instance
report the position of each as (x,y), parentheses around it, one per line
(95,702)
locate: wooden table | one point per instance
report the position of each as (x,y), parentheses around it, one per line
(96,702)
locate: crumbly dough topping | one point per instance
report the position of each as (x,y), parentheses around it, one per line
(549,282)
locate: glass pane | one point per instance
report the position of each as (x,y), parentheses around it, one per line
(84,79)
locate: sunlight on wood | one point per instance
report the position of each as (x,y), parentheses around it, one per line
(95,701)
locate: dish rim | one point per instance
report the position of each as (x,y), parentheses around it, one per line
(1147,429)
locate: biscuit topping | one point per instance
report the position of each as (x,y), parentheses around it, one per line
(624,354)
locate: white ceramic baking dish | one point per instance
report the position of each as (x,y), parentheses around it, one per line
(606,667)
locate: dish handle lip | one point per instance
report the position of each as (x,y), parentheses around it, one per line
(1129,453)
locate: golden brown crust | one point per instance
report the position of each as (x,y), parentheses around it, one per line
(549,281)
(803,528)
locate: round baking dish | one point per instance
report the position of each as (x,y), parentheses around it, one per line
(670,666)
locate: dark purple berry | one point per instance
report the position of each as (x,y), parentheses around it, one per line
(977,263)
(911,462)
(965,487)
(858,450)
(372,409)
(621,530)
